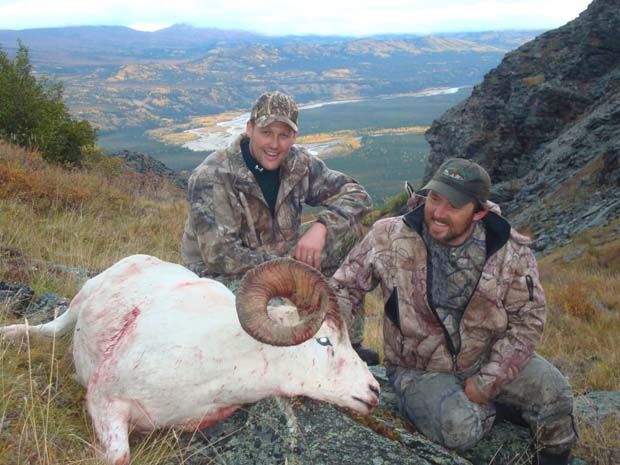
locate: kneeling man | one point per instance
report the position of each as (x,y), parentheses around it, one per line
(464,310)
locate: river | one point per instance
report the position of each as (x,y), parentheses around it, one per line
(221,134)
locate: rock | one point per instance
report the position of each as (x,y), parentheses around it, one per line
(143,164)
(19,299)
(46,308)
(610,174)
(81,273)
(569,257)
(544,123)
(16,297)
(302,431)
(596,407)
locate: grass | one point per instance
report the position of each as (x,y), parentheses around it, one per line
(80,219)
(49,215)
(43,420)
(88,220)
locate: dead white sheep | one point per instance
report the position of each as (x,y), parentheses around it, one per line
(157,346)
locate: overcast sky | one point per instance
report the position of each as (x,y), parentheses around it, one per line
(279,17)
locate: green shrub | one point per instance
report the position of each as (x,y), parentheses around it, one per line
(33,114)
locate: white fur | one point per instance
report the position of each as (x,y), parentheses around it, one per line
(156,346)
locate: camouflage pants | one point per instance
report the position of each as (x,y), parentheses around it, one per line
(438,407)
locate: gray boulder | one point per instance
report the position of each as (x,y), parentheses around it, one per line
(16,297)
(19,299)
(144,164)
(304,431)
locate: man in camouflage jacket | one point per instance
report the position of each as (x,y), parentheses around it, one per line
(464,310)
(246,203)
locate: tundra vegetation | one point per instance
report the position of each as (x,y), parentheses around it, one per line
(91,217)
(33,114)
(92,213)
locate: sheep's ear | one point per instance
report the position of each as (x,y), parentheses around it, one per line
(414,200)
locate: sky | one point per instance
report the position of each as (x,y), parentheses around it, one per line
(281,17)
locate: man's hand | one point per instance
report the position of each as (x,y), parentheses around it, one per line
(473,393)
(311,244)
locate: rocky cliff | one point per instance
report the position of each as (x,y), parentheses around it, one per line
(144,164)
(546,124)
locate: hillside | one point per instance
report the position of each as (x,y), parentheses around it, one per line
(83,219)
(119,78)
(58,225)
(545,123)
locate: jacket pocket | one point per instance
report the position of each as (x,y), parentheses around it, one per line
(392,310)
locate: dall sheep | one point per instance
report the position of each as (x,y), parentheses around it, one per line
(157,346)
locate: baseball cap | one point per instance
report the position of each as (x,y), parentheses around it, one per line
(274,106)
(461,181)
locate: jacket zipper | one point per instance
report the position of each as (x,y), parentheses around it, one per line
(449,343)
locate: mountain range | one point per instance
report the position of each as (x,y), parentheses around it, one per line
(119,78)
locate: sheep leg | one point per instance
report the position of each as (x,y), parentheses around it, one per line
(110,420)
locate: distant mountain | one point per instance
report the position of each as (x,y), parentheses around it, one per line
(546,124)
(120,43)
(117,77)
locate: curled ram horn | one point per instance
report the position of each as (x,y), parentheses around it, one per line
(285,277)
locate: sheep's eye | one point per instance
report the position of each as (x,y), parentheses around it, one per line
(324,341)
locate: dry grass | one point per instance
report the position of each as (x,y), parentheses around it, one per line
(583,295)
(581,338)
(583,327)
(81,219)
(42,417)
(86,220)
(598,444)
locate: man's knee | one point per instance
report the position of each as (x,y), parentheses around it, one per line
(545,399)
(445,415)
(542,391)
(461,429)
(556,392)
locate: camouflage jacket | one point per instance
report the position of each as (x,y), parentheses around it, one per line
(230,228)
(501,324)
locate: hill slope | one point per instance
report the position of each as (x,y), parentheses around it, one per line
(54,222)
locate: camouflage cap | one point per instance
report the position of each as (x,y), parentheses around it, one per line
(461,181)
(274,106)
